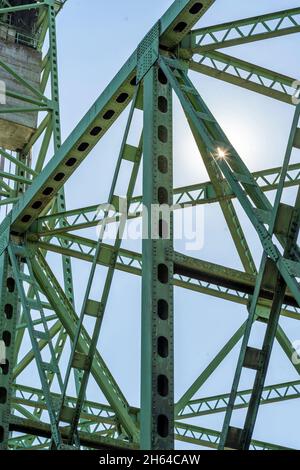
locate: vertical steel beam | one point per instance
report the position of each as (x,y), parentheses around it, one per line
(60,202)
(8,320)
(51,126)
(60,199)
(157,388)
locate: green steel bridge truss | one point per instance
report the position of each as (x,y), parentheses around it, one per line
(35,305)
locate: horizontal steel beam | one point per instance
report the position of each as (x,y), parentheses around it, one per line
(218,403)
(183,432)
(190,273)
(100,413)
(225,277)
(243,31)
(34,398)
(58,4)
(210,438)
(26,7)
(193,195)
(41,429)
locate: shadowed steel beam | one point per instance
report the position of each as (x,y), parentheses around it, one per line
(8,321)
(183,432)
(210,438)
(190,273)
(94,441)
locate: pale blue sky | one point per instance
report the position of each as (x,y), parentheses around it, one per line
(95,37)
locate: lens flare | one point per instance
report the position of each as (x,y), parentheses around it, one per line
(221,153)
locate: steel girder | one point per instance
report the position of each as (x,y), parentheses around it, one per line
(31,220)
(213,142)
(244,31)
(210,438)
(47,130)
(186,433)
(102,417)
(157,356)
(210,138)
(93,308)
(101,413)
(69,320)
(236,437)
(219,403)
(8,321)
(192,195)
(202,45)
(173,26)
(191,273)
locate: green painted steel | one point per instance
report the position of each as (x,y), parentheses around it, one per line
(187,407)
(60,203)
(190,273)
(157,356)
(246,30)
(8,321)
(38,223)
(258,359)
(254,202)
(246,75)
(210,438)
(99,118)
(194,195)
(45,362)
(94,308)
(98,412)
(102,416)
(68,318)
(215,176)
(219,403)
(186,433)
